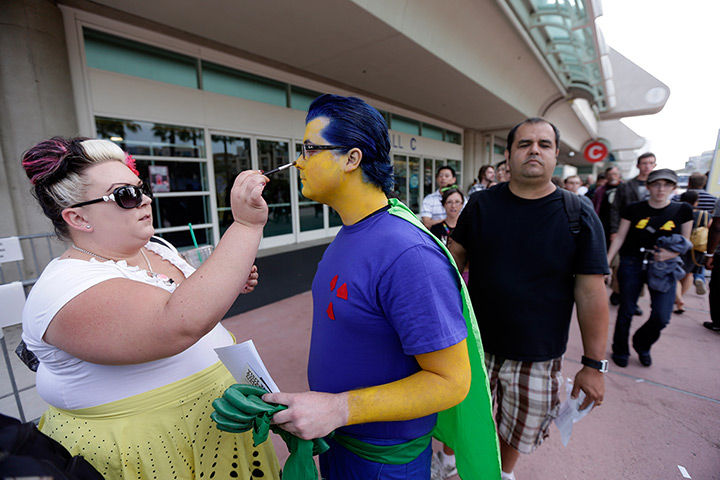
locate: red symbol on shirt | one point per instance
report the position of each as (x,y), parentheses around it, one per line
(341,293)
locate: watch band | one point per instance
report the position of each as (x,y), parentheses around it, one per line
(601,365)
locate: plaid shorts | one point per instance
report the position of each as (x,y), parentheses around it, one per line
(526,394)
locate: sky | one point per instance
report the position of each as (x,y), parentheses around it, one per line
(677,42)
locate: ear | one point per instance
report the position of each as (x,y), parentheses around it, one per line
(75,219)
(354,157)
(507,157)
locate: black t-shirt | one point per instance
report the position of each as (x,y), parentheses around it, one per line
(662,222)
(442,231)
(523,260)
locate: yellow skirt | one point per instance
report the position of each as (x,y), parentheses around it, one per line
(163,434)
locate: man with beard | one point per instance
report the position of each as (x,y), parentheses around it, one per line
(543,263)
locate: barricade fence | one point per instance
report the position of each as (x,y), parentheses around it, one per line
(18,397)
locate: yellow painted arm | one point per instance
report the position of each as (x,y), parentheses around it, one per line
(443,382)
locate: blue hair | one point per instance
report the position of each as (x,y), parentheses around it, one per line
(356,124)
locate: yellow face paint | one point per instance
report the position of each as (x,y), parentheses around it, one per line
(321,173)
(335,179)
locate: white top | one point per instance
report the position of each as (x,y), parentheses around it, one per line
(67,382)
(432,206)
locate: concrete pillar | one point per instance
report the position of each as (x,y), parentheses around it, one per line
(36,103)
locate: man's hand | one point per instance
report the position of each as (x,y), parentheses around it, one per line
(310,414)
(592,382)
(709,264)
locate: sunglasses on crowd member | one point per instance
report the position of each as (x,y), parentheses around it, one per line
(127,196)
(449,187)
(307,148)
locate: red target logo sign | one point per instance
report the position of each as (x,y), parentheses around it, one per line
(595,152)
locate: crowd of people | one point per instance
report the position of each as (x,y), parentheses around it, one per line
(125,330)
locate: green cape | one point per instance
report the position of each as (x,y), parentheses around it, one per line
(468,428)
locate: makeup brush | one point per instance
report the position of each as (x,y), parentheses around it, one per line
(278,169)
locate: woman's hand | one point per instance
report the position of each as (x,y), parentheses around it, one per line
(662,255)
(252,280)
(248,205)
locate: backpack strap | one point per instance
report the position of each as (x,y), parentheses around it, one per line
(572,208)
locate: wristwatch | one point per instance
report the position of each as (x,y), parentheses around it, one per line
(601,365)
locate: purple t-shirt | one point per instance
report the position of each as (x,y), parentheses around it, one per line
(383,292)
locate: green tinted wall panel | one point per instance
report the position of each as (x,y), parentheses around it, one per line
(300,99)
(405,125)
(227,81)
(430,131)
(120,55)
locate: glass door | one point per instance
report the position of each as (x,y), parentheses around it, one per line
(231,155)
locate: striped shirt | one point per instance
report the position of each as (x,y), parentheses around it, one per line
(706,201)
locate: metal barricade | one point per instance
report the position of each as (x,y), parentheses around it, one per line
(21,266)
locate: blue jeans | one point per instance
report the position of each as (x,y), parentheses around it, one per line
(632,276)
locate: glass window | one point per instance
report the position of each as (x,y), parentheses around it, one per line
(272,154)
(231,155)
(183,240)
(430,131)
(405,125)
(152,139)
(453,137)
(457,166)
(428,177)
(179,211)
(311,212)
(228,81)
(121,55)
(181,176)
(400,169)
(300,98)
(414,184)
(334,218)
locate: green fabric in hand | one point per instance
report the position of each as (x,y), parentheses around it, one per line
(241,409)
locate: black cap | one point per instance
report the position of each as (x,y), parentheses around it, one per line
(662,174)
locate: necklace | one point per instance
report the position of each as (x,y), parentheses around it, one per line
(160,276)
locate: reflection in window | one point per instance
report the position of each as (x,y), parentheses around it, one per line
(152,139)
(400,169)
(428,176)
(311,212)
(183,176)
(179,211)
(457,166)
(231,155)
(414,184)
(272,154)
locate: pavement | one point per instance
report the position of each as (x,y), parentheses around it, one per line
(658,422)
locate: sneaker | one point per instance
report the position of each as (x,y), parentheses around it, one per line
(439,470)
(638,311)
(507,476)
(700,287)
(615,298)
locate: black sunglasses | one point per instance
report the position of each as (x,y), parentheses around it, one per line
(127,196)
(306,148)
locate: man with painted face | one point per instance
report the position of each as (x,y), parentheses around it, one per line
(382,362)
(538,271)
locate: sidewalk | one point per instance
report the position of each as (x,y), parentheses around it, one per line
(653,421)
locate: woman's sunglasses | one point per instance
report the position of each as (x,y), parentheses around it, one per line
(127,196)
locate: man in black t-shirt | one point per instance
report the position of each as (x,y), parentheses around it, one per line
(528,270)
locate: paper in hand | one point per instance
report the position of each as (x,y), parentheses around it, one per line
(570,413)
(246,366)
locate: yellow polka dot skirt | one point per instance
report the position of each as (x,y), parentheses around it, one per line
(163,434)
